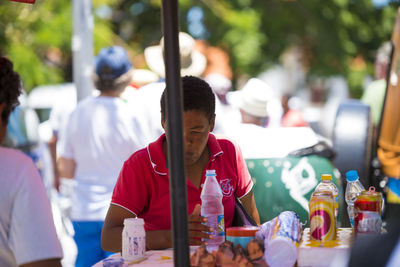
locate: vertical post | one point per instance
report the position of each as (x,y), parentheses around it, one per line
(176,159)
(82,47)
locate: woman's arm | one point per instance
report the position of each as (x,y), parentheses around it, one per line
(111,234)
(250,204)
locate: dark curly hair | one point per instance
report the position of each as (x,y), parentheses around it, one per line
(10,88)
(197,95)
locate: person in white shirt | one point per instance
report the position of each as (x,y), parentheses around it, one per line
(27,234)
(100,134)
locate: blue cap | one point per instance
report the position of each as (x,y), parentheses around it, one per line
(112,62)
(352,175)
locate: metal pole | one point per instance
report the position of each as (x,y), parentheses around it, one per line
(82,47)
(176,159)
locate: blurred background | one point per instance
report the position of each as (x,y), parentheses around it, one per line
(313,39)
(319,53)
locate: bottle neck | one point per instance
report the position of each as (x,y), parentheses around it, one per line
(355,181)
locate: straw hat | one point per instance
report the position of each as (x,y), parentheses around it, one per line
(192,61)
(252,98)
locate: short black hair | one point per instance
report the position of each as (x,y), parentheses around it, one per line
(10,88)
(197,95)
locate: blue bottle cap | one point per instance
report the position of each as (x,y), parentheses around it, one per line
(352,175)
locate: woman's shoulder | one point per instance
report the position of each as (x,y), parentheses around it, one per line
(138,157)
(226,143)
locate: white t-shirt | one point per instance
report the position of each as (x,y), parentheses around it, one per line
(27,231)
(100,134)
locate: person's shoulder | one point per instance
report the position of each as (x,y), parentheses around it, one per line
(225,142)
(138,157)
(11,155)
(17,165)
(83,105)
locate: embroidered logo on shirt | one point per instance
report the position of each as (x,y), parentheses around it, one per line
(226,188)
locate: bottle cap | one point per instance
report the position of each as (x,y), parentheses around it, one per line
(325,177)
(210,173)
(133,221)
(352,175)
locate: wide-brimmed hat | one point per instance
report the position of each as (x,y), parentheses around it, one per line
(252,98)
(192,61)
(113,70)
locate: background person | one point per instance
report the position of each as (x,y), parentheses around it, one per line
(291,117)
(374,94)
(142,189)
(252,101)
(27,233)
(100,134)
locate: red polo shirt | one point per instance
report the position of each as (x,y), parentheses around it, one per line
(143,183)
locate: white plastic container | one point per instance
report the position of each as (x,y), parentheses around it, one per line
(133,239)
(281,237)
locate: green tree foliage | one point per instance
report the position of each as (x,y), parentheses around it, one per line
(336,36)
(38,39)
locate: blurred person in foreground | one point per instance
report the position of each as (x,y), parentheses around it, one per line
(142,189)
(99,136)
(27,233)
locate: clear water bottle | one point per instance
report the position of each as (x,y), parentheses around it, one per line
(327,184)
(353,189)
(213,209)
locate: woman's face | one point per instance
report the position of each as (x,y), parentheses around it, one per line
(196,127)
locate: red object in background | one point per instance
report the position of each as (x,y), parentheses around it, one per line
(25,1)
(368,211)
(369,201)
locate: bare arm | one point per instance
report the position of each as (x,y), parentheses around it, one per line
(250,204)
(53,154)
(43,263)
(111,236)
(66,167)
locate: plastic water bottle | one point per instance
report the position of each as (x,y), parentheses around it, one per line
(353,189)
(212,208)
(326,184)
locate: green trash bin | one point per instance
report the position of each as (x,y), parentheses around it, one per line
(287,183)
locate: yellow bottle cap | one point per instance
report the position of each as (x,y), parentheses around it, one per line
(325,177)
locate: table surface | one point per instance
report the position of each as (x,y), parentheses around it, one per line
(319,254)
(309,253)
